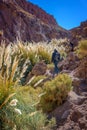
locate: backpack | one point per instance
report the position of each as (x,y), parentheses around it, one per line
(57,56)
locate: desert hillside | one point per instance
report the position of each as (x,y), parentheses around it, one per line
(79,32)
(27,22)
(43,70)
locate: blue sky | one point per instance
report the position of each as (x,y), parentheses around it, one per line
(68,13)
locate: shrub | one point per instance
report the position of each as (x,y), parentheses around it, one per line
(6,82)
(6,94)
(22,70)
(82,48)
(30,117)
(36,80)
(21,113)
(56,92)
(44,54)
(16,61)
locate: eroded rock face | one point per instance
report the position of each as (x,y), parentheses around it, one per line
(81,71)
(70,63)
(79,33)
(77,70)
(77,120)
(28,22)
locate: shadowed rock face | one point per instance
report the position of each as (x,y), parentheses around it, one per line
(80,32)
(28,22)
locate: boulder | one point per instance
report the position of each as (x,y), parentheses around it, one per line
(39,69)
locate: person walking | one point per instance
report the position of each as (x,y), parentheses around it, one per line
(55,60)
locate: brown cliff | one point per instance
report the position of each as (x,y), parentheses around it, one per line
(80,32)
(28,22)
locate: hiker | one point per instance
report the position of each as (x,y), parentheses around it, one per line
(55,60)
(72,46)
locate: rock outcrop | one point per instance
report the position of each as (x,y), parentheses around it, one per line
(70,63)
(81,70)
(74,113)
(28,22)
(77,119)
(39,69)
(79,33)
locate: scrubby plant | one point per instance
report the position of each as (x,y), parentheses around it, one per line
(6,79)
(6,88)
(6,94)
(22,70)
(8,62)
(27,51)
(21,113)
(8,113)
(82,48)
(56,92)
(36,80)
(28,117)
(44,54)
(8,66)
(16,61)
(59,42)
(14,65)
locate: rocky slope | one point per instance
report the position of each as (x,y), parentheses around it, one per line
(80,32)
(28,22)
(72,115)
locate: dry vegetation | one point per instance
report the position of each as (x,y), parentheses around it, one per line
(19,102)
(82,48)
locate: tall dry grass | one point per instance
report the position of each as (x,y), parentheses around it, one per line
(16,61)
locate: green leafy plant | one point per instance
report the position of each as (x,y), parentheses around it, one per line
(56,92)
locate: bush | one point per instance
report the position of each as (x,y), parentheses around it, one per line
(6,89)
(36,80)
(44,54)
(6,94)
(56,92)
(82,48)
(21,113)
